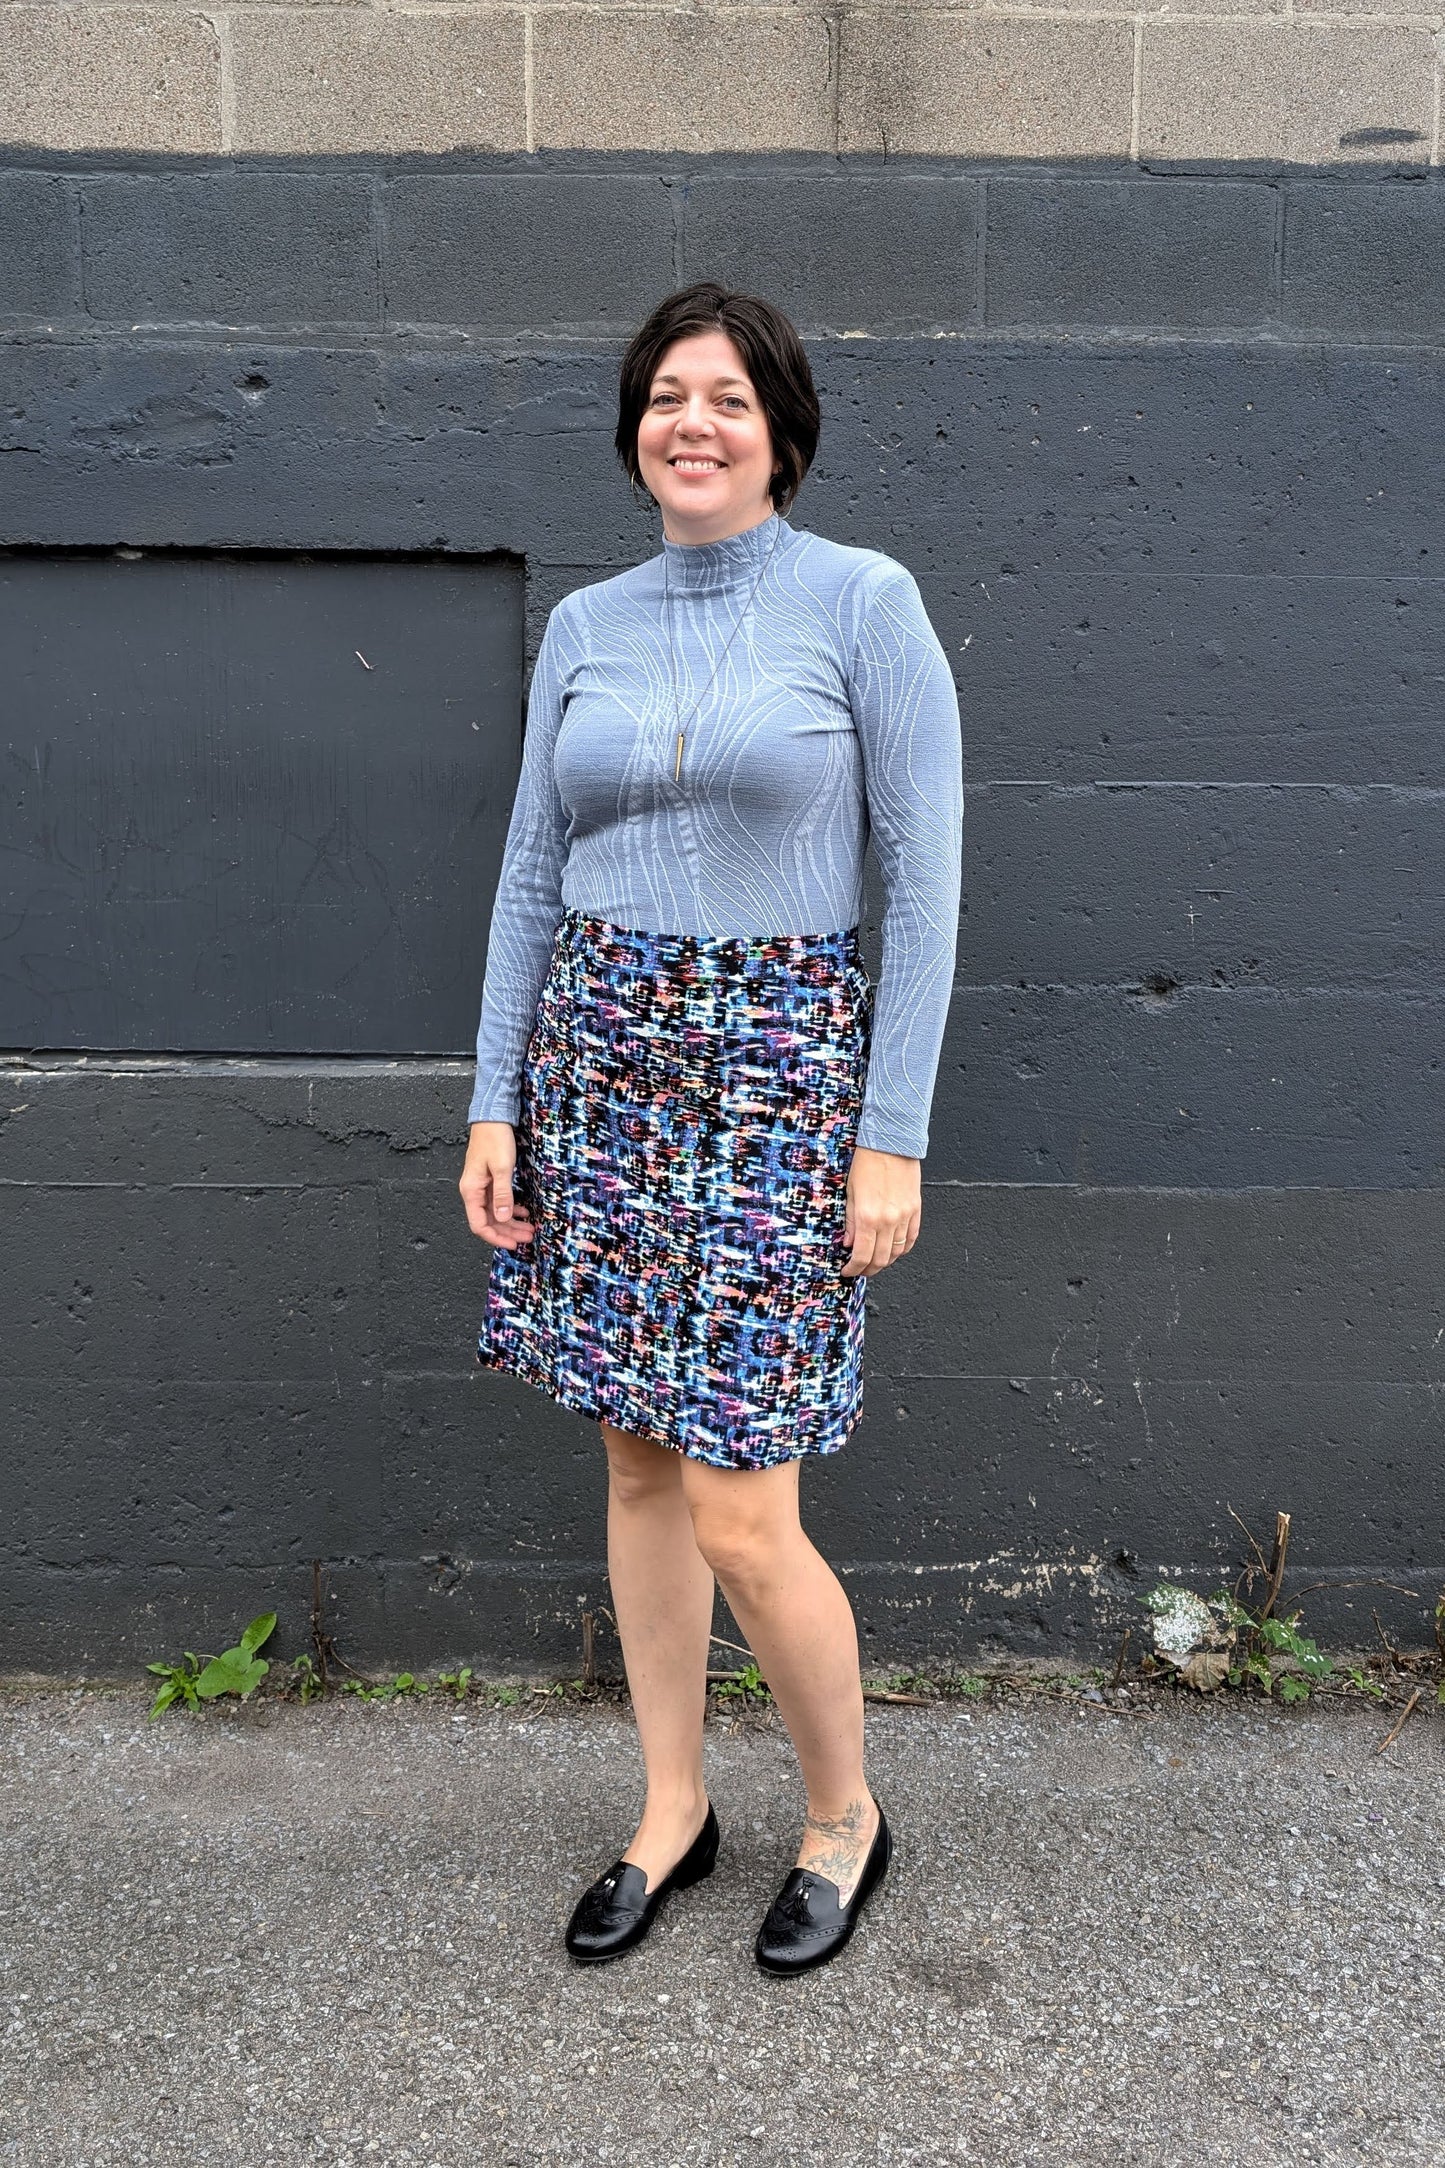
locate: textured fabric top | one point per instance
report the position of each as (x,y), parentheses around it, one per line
(833,711)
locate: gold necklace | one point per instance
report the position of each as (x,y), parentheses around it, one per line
(672,651)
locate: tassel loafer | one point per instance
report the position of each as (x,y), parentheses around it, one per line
(806,1924)
(614,1912)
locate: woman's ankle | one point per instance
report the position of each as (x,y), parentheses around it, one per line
(835,1843)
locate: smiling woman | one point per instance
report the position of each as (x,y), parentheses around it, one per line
(697,1127)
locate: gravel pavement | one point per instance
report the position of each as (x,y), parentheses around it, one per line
(1208,1933)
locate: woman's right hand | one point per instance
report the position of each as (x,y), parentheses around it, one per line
(486,1186)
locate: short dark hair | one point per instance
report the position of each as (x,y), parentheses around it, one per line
(775,359)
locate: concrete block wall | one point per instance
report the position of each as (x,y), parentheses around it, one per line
(1128,328)
(1322,82)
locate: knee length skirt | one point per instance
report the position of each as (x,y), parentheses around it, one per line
(689,1109)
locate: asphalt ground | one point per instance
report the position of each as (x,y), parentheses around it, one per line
(1210,1932)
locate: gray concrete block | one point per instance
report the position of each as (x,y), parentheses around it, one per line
(104,1621)
(1046,1286)
(969,86)
(413,1110)
(39,248)
(122,78)
(190,1284)
(1063,1479)
(249,246)
(219,1476)
(1192,1089)
(1036,455)
(516,252)
(329,79)
(233,1123)
(1114,676)
(691,81)
(1366,260)
(1240,887)
(175,1122)
(453,1450)
(1284,93)
(433,1288)
(1149,462)
(1122,253)
(840,251)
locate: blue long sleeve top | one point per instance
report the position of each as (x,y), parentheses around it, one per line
(833,713)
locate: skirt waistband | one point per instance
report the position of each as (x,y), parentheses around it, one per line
(634,945)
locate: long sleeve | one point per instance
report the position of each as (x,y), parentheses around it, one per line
(528,904)
(905,707)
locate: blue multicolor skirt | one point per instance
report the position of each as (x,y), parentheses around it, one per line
(689,1108)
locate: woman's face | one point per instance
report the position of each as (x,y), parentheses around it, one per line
(703,443)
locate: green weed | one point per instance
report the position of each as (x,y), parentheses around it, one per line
(743,1685)
(405,1682)
(235,1671)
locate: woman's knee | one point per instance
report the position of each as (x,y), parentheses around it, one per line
(638,1468)
(743,1522)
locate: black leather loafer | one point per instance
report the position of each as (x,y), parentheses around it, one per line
(616,1911)
(806,1924)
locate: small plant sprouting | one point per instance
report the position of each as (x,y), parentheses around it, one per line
(1261,1636)
(235,1671)
(405,1682)
(459,1682)
(744,1684)
(180,1683)
(305,1678)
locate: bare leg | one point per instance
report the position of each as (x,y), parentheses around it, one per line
(799,1624)
(662,1588)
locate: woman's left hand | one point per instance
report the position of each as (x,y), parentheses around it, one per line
(885,1208)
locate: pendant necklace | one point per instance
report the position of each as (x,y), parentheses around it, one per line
(672,652)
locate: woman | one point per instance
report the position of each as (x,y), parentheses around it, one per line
(697,1126)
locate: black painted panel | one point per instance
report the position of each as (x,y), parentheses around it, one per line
(253,805)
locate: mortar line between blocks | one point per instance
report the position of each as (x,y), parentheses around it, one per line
(221,24)
(1136,95)
(528,96)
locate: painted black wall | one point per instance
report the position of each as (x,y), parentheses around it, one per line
(1163,452)
(257,780)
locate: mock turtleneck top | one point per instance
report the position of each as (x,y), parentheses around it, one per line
(833,712)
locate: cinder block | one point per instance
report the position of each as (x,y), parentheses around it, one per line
(1203,1088)
(1231,1285)
(39,258)
(433,1274)
(244,247)
(203,1283)
(83,78)
(972,86)
(1149,862)
(1287,93)
(217,1475)
(1128,252)
(1219,678)
(1366,258)
(352,80)
(450,1446)
(697,82)
(830,248)
(533,251)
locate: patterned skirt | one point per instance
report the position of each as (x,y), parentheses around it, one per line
(689,1108)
